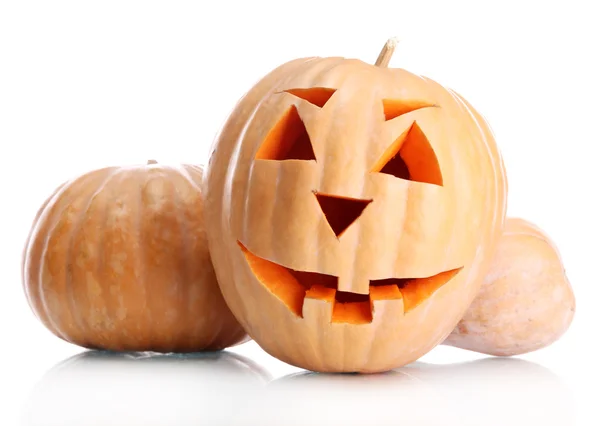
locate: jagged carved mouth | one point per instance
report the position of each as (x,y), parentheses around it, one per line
(293,288)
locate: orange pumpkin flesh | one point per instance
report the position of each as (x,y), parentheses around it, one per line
(117,259)
(352,212)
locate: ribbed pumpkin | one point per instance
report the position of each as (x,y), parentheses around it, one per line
(526,301)
(352,211)
(117,259)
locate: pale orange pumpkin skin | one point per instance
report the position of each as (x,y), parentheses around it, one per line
(117,259)
(526,301)
(263,219)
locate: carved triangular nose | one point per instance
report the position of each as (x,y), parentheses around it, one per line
(341,212)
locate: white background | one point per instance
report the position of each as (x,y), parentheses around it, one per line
(88,84)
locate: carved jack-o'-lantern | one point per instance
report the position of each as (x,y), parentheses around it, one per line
(352,210)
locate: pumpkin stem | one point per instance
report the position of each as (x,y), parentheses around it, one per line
(152,162)
(386,53)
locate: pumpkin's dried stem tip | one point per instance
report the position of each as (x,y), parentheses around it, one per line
(386,53)
(152,162)
(392,42)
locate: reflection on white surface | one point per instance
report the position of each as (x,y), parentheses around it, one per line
(486,392)
(98,388)
(101,389)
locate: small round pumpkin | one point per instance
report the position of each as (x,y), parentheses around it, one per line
(352,211)
(526,301)
(117,259)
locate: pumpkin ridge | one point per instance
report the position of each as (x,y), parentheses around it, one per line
(184,315)
(26,261)
(108,186)
(83,324)
(89,178)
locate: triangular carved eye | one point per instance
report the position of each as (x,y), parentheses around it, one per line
(315,95)
(411,157)
(287,140)
(393,108)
